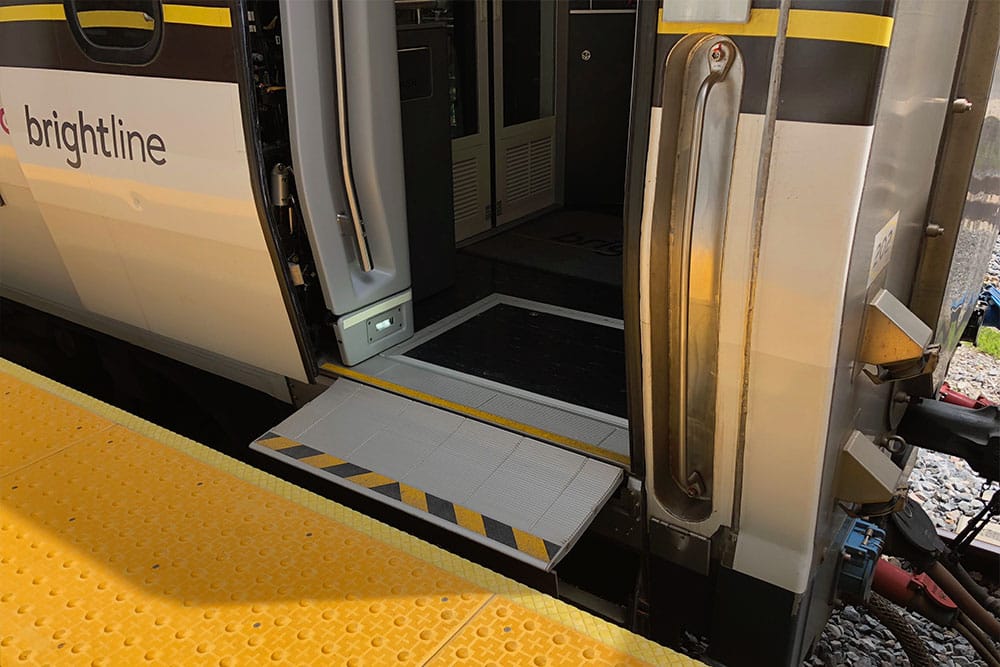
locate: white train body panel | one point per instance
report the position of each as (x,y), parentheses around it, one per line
(175,248)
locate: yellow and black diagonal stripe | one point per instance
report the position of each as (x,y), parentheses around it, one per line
(471,520)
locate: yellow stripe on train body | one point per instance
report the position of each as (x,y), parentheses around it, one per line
(802,24)
(48,12)
(114,18)
(211,17)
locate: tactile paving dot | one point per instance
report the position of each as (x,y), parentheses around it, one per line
(504,633)
(34,424)
(161,559)
(116,549)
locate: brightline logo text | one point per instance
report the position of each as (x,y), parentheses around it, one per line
(111,140)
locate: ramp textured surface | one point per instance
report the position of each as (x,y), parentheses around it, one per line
(122,543)
(527,499)
(542,422)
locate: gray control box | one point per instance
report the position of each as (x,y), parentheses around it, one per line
(366,332)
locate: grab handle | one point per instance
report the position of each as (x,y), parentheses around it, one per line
(720,57)
(116,32)
(357,222)
(682,246)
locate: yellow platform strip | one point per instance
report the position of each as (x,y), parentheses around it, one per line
(476,413)
(802,24)
(122,543)
(212,17)
(528,544)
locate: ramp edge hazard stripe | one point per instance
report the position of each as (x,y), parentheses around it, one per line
(518,594)
(530,545)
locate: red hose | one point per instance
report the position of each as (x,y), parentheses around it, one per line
(975,611)
(917,593)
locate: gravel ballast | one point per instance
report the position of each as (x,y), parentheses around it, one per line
(948,490)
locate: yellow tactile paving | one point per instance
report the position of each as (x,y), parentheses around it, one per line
(167,557)
(118,548)
(33,426)
(503,633)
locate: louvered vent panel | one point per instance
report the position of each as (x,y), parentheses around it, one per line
(465,189)
(518,172)
(541,165)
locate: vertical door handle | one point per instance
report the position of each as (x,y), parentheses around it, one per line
(680,270)
(720,58)
(354,209)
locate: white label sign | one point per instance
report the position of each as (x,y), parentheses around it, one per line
(706,11)
(882,250)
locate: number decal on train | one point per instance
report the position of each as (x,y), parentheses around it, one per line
(882,250)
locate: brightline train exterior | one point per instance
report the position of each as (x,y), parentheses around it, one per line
(184,253)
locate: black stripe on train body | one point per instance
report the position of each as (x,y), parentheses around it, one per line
(823,81)
(187,51)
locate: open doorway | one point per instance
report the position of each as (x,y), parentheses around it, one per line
(536,97)
(562,91)
(515,130)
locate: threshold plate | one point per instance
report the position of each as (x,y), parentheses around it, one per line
(548,372)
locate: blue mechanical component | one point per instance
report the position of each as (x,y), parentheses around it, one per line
(859,555)
(991,297)
(986,313)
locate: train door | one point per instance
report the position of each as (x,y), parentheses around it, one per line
(491,403)
(133,205)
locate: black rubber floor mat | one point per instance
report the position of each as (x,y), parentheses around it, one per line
(578,244)
(582,363)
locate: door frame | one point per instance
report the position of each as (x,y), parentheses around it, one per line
(645,64)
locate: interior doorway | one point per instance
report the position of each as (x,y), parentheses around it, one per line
(531,99)
(538,94)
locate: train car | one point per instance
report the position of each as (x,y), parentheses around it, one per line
(660,277)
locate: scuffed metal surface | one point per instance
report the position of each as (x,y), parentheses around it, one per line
(976,237)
